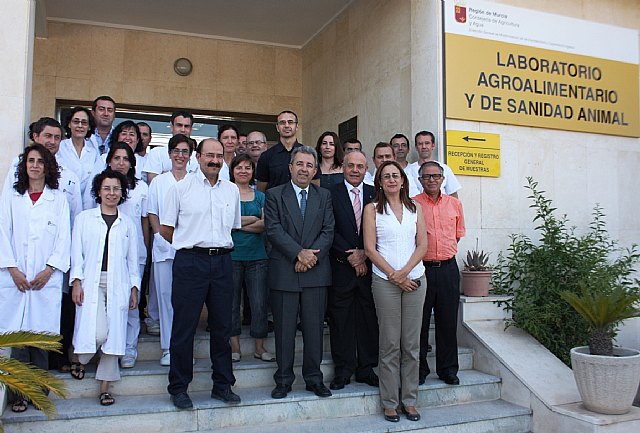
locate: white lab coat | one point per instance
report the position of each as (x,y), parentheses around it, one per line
(88,200)
(33,236)
(87,248)
(81,165)
(136,208)
(68,183)
(162,249)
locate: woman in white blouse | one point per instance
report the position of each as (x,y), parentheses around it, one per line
(105,278)
(34,252)
(395,240)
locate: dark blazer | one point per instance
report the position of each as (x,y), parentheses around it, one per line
(346,236)
(288,235)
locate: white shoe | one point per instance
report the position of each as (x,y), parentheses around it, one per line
(153,327)
(127,361)
(166,358)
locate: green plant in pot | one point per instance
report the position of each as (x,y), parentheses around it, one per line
(476,275)
(607,377)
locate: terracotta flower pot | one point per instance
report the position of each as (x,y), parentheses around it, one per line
(476,283)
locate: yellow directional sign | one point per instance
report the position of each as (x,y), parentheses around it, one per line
(473,153)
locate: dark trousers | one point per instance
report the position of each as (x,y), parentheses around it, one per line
(354,326)
(201,279)
(311,303)
(67,322)
(443,296)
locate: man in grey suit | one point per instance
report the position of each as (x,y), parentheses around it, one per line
(299,224)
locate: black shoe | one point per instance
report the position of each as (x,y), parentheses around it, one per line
(410,416)
(339,382)
(319,389)
(451,379)
(182,401)
(227,395)
(280,391)
(371,380)
(392,418)
(422,380)
(429,348)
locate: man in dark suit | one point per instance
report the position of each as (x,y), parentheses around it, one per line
(299,225)
(352,312)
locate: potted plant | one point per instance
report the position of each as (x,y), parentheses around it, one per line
(476,275)
(607,377)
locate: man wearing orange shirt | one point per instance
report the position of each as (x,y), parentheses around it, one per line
(445,226)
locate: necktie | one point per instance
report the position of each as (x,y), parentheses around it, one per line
(356,207)
(303,202)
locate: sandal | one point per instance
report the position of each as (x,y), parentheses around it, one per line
(20,406)
(77,370)
(106,399)
(65,368)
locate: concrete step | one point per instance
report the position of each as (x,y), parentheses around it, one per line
(149,377)
(149,345)
(155,413)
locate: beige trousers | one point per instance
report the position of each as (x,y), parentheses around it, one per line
(108,365)
(400,321)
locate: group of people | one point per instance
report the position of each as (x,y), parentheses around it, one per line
(306,234)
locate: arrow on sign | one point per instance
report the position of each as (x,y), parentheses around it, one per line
(467,139)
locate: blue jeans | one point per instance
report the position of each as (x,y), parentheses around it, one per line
(253,273)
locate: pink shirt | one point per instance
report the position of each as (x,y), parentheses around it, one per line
(445,225)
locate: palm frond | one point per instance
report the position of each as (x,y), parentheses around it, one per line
(604,310)
(20,339)
(30,381)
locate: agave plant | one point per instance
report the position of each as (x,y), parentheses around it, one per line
(604,310)
(27,380)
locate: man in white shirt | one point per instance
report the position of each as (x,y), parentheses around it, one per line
(103,110)
(200,212)
(381,153)
(425,143)
(158,160)
(400,144)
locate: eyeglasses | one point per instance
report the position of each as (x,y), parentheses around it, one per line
(213,155)
(258,142)
(178,152)
(286,122)
(111,189)
(77,122)
(431,176)
(388,176)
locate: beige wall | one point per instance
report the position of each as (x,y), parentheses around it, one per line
(81,62)
(360,65)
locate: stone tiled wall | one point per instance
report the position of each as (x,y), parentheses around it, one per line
(81,62)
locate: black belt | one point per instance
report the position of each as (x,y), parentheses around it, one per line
(438,263)
(208,251)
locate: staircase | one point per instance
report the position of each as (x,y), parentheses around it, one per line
(143,405)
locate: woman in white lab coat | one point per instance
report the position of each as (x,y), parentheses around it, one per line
(105,278)
(76,152)
(122,159)
(35,240)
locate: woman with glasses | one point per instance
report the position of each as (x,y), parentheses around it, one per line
(105,278)
(249,259)
(395,240)
(330,151)
(122,159)
(76,152)
(35,242)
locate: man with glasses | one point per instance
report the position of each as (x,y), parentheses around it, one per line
(199,213)
(256,144)
(273,165)
(445,226)
(400,144)
(425,143)
(103,110)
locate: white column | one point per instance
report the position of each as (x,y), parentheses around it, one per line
(427,97)
(16,45)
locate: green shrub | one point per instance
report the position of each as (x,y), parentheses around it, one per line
(535,274)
